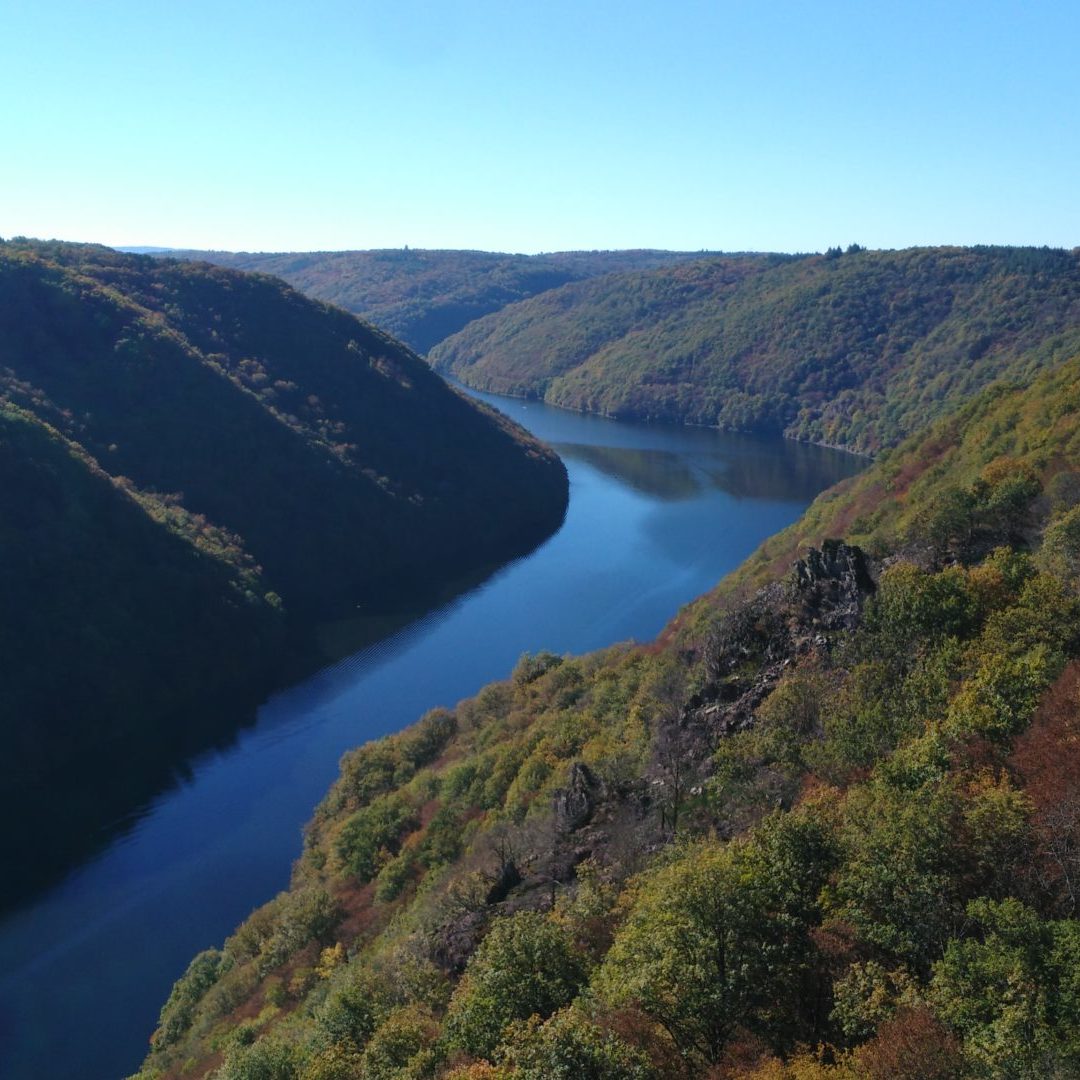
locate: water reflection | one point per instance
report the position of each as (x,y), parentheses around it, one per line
(760,469)
(86,808)
(662,474)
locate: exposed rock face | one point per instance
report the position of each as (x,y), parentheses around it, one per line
(748,652)
(509,877)
(833,583)
(752,645)
(574,804)
(457,941)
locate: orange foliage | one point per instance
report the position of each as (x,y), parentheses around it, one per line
(1047,758)
(913,1045)
(637,1030)
(480,1070)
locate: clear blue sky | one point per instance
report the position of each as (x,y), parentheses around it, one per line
(788,126)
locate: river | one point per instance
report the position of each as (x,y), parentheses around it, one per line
(657,515)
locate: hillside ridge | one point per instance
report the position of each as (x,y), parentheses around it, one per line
(854,350)
(421,296)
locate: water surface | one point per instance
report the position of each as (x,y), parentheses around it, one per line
(657,515)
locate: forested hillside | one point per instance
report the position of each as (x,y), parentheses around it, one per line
(855,349)
(422,296)
(825,829)
(198,464)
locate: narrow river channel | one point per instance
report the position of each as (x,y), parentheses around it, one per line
(657,515)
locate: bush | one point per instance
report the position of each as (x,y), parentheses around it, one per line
(306,915)
(373,834)
(179,1011)
(401,1038)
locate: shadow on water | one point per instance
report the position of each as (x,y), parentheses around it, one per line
(82,810)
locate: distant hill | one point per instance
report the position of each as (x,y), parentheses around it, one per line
(853,349)
(197,465)
(422,296)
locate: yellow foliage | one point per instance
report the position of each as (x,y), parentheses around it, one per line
(330,958)
(480,1070)
(806,1065)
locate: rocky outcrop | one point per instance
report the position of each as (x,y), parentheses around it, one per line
(574,804)
(752,645)
(833,583)
(748,652)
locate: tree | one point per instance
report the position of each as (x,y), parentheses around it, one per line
(403,1038)
(912,1045)
(898,884)
(569,1046)
(179,1011)
(717,940)
(526,966)
(671,747)
(1012,993)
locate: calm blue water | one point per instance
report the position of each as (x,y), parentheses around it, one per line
(657,515)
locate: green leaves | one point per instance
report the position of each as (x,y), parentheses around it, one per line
(526,966)
(373,834)
(569,1046)
(717,940)
(852,351)
(1012,992)
(179,1011)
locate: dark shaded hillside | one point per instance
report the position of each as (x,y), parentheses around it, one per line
(87,562)
(345,466)
(124,615)
(855,350)
(197,465)
(825,829)
(423,296)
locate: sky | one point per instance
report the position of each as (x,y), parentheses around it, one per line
(555,125)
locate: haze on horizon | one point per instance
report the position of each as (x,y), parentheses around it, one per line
(719,126)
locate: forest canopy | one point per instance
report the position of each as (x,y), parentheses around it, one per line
(856,349)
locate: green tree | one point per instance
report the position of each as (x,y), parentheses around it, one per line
(179,1011)
(266,1059)
(1012,993)
(1060,551)
(569,1046)
(526,966)
(898,883)
(717,940)
(403,1037)
(373,834)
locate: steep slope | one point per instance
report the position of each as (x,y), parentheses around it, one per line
(855,350)
(422,296)
(91,565)
(198,465)
(124,616)
(346,467)
(825,828)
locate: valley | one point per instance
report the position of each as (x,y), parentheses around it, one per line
(657,514)
(200,466)
(512,877)
(540,542)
